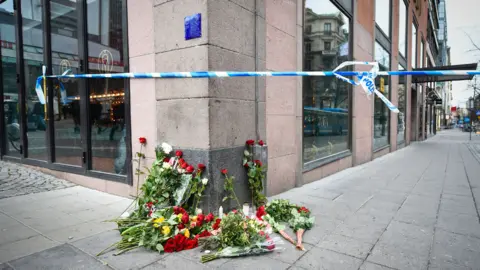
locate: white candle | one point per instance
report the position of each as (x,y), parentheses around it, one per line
(246,209)
(220,212)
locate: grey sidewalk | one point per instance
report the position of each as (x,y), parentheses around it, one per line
(414,209)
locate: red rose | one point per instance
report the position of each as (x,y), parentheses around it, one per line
(261,212)
(201,167)
(224,171)
(190,244)
(205,233)
(246,165)
(178,153)
(209,217)
(200,217)
(234,211)
(190,169)
(181,161)
(261,233)
(169,246)
(181,226)
(177,210)
(250,142)
(217,224)
(258,163)
(142,140)
(184,165)
(260,143)
(180,241)
(167,159)
(149,204)
(185,218)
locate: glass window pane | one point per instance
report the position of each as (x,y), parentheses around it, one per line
(325,99)
(64,38)
(421,54)
(106,54)
(32,39)
(9,74)
(402,105)
(402,38)
(381,119)
(414,46)
(382,15)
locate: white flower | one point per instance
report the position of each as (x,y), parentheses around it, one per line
(180,170)
(125,215)
(166,165)
(204,181)
(246,153)
(167,148)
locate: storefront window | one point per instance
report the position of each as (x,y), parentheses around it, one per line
(33,61)
(402,36)
(107,54)
(68,143)
(402,105)
(382,15)
(414,46)
(11,104)
(325,99)
(422,47)
(381,119)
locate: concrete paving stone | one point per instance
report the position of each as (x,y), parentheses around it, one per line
(60,257)
(363,228)
(456,241)
(354,200)
(6,221)
(346,245)
(455,196)
(15,233)
(194,255)
(414,200)
(320,230)
(133,259)
(459,223)
(99,214)
(408,237)
(80,231)
(384,206)
(446,255)
(290,254)
(465,191)
(254,262)
(436,265)
(373,266)
(462,205)
(172,262)
(416,216)
(323,193)
(25,247)
(390,196)
(51,222)
(393,257)
(319,258)
(5,266)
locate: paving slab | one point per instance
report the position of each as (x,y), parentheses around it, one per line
(64,257)
(346,245)
(455,249)
(25,247)
(319,258)
(391,256)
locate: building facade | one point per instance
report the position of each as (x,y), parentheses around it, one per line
(313,126)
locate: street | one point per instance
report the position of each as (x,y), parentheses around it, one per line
(416,208)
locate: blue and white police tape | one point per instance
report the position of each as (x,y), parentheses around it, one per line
(365,78)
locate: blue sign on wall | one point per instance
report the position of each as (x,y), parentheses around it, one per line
(193,26)
(466,120)
(478,112)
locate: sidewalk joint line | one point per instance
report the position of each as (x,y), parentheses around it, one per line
(470,186)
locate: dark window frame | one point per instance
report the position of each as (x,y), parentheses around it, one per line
(348,12)
(47,55)
(389,96)
(403,58)
(390,27)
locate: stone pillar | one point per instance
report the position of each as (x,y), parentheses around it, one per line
(362,108)
(394,79)
(209,119)
(281,95)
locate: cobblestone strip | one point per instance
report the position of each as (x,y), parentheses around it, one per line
(16,180)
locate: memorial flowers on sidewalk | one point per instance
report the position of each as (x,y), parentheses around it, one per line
(255,172)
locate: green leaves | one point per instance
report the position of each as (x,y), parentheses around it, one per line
(159,247)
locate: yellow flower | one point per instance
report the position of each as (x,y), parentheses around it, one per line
(180,216)
(187,233)
(159,220)
(165,230)
(156,225)
(194,219)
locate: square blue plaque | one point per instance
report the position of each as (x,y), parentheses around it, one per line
(193,26)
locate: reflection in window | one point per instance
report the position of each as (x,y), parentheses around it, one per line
(325,99)
(8,79)
(106,54)
(402,105)
(381,119)
(422,46)
(33,61)
(382,15)
(402,38)
(414,46)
